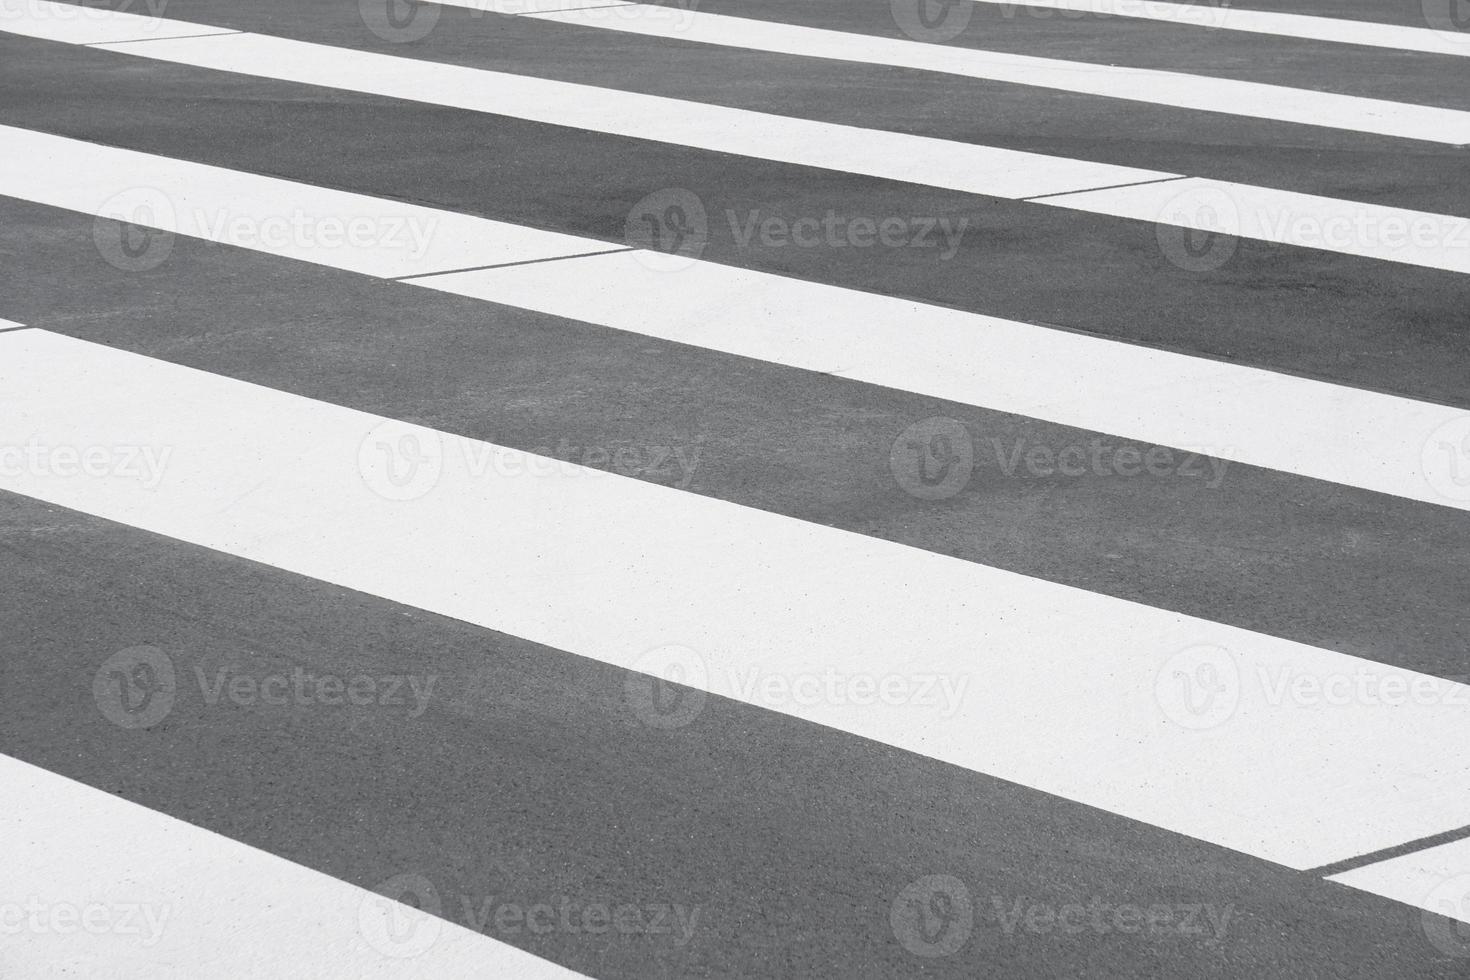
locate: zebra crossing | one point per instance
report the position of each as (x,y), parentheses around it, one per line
(641,598)
(1018,368)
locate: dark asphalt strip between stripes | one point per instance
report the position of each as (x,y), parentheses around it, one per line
(1365,323)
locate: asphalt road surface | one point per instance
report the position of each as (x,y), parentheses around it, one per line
(736,488)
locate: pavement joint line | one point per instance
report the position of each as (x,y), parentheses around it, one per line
(1389,853)
(15,329)
(144,40)
(507,265)
(1108,187)
(599,6)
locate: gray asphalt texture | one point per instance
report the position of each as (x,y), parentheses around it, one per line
(528,777)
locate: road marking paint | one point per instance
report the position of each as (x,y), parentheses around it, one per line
(1324,431)
(1085,696)
(1253,416)
(1220,15)
(373,236)
(517,7)
(98,886)
(77,24)
(1254,100)
(1222,211)
(1436,880)
(895,156)
(1329,224)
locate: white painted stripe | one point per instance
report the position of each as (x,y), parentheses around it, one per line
(1219,14)
(1323,431)
(1436,880)
(1432,241)
(896,156)
(514,7)
(1240,98)
(1073,693)
(370,235)
(97,886)
(76,24)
